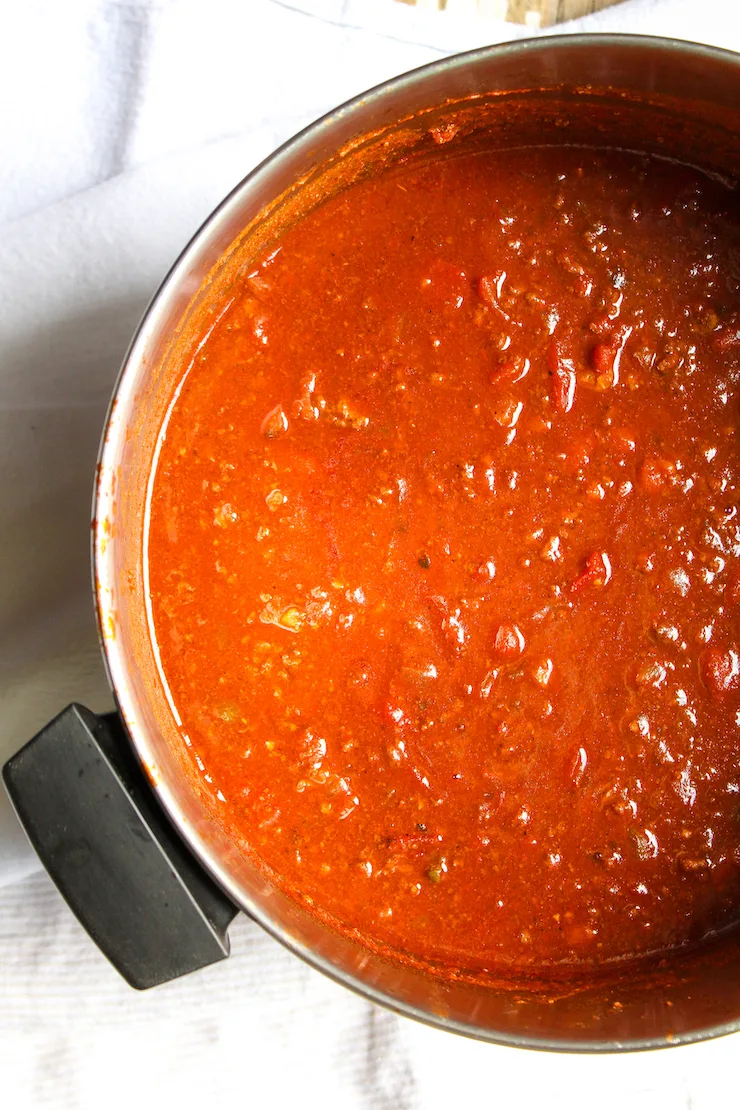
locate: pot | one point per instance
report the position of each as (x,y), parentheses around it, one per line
(120,827)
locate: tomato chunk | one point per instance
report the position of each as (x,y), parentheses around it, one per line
(563,373)
(489,288)
(602,358)
(606,356)
(719,668)
(512,370)
(509,641)
(596,573)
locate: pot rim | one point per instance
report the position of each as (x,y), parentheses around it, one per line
(103,568)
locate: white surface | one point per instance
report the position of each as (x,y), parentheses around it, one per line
(121,125)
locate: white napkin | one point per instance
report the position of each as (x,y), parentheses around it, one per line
(121,126)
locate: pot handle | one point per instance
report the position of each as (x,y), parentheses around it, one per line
(91,815)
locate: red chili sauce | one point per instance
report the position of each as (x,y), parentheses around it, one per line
(444,559)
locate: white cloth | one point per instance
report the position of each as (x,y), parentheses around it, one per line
(122,123)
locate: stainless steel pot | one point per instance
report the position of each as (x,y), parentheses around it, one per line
(159,908)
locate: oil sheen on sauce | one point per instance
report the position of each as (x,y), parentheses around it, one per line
(444,559)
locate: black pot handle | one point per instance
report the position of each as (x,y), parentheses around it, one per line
(99,831)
